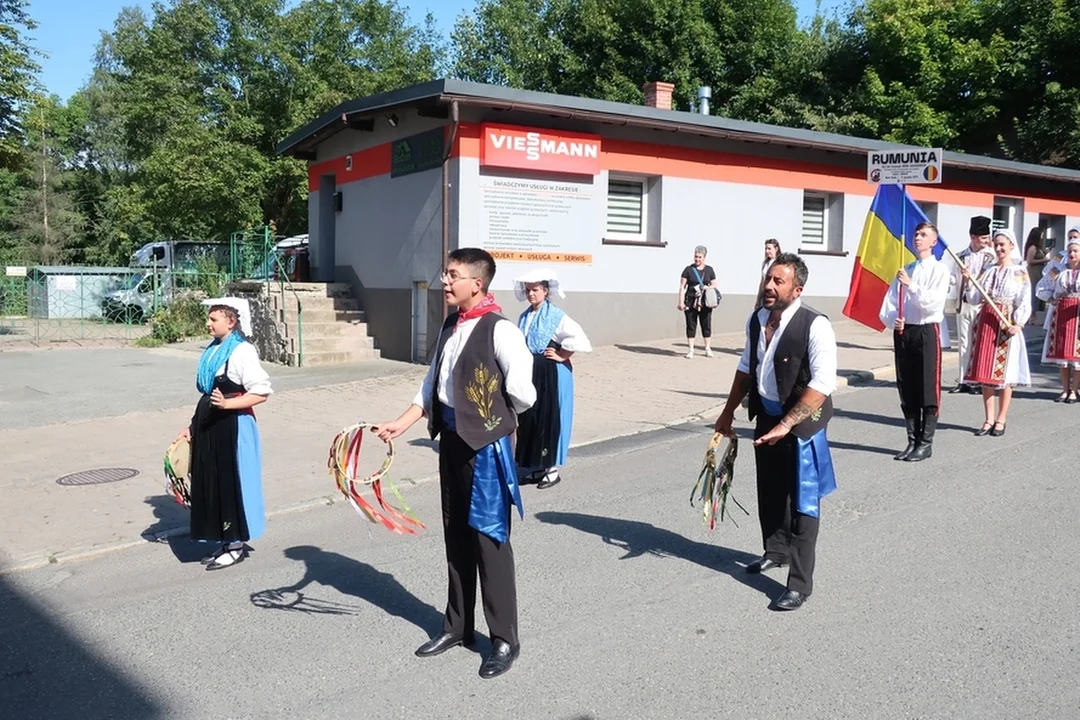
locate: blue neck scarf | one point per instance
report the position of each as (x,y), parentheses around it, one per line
(213,359)
(543,326)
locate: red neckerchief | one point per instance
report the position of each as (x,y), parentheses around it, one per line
(486,306)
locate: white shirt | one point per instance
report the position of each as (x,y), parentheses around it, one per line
(246,370)
(924,298)
(513,356)
(975,261)
(822,353)
(568,334)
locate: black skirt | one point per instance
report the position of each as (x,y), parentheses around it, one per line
(538,427)
(217,506)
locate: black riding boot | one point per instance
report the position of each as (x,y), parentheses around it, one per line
(912,422)
(924,447)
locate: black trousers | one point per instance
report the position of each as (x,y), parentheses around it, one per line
(692,318)
(917,354)
(469,552)
(789,536)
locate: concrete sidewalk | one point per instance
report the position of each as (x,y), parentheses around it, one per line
(620,390)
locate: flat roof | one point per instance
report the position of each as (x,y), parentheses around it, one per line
(626,114)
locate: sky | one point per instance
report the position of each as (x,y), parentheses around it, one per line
(68,36)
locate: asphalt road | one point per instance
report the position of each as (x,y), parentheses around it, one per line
(67,385)
(943,590)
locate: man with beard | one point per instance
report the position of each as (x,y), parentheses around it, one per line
(788,369)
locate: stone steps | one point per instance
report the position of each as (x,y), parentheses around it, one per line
(334,327)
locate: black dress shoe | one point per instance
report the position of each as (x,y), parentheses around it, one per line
(762,565)
(984,430)
(228,558)
(958,389)
(499,661)
(214,556)
(790,600)
(443,642)
(549,481)
(997,433)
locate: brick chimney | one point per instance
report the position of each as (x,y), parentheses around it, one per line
(658,95)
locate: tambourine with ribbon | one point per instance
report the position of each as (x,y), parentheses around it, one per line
(343,462)
(177,469)
(714,482)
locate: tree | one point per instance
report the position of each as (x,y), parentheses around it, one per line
(18,75)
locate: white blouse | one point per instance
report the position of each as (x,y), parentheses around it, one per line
(568,334)
(1006,285)
(246,370)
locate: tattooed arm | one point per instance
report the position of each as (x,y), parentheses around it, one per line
(810,401)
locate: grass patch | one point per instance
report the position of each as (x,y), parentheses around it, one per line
(148,341)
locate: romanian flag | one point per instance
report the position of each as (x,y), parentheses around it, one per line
(881,254)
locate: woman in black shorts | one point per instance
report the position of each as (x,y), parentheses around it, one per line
(693,283)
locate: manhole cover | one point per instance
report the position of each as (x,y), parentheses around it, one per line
(97,477)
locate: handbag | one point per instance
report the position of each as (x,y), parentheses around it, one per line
(710,296)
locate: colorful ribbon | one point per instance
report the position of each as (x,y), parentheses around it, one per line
(343,462)
(714,482)
(174,484)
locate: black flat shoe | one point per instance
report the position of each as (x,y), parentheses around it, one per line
(997,433)
(443,642)
(499,661)
(763,565)
(1063,397)
(549,481)
(790,600)
(958,389)
(214,556)
(984,430)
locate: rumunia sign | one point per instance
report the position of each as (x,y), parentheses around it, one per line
(904,166)
(509,146)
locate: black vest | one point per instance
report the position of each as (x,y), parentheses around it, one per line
(791,362)
(483,412)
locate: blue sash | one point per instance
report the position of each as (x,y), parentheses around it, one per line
(495,484)
(815,477)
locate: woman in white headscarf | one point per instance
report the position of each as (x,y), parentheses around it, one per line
(543,436)
(226,455)
(1061,347)
(999,359)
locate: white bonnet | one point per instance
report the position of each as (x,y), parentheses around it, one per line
(240,305)
(534,276)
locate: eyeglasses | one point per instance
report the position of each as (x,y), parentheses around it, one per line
(451,279)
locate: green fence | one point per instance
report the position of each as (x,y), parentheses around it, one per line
(72,303)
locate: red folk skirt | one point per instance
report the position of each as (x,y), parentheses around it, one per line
(1064,341)
(990,347)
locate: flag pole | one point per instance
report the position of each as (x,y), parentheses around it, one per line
(900,289)
(979,287)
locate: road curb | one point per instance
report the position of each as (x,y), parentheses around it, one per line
(848,378)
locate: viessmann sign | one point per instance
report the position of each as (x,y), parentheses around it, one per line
(508,146)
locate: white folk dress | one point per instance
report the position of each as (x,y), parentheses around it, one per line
(1010,289)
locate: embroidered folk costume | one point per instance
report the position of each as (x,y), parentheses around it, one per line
(999,360)
(477,385)
(975,257)
(226,454)
(917,350)
(543,439)
(788,362)
(1061,347)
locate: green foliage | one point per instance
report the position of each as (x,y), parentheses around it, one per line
(184,318)
(18,72)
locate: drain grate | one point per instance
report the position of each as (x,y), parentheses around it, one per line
(97,477)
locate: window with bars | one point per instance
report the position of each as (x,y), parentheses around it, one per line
(815,220)
(627,212)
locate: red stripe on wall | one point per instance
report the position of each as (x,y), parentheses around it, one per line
(657,159)
(865,297)
(368,163)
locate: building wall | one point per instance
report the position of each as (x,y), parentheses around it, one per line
(702,192)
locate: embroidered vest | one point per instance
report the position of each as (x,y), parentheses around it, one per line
(791,363)
(483,412)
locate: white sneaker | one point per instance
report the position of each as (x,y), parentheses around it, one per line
(690,354)
(708,352)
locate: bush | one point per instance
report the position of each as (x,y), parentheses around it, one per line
(184,318)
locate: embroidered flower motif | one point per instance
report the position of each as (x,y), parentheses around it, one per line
(816,415)
(481,393)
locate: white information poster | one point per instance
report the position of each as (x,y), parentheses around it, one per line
(550,221)
(65,282)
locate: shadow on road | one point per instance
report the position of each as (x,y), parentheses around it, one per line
(348,577)
(46,672)
(640,538)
